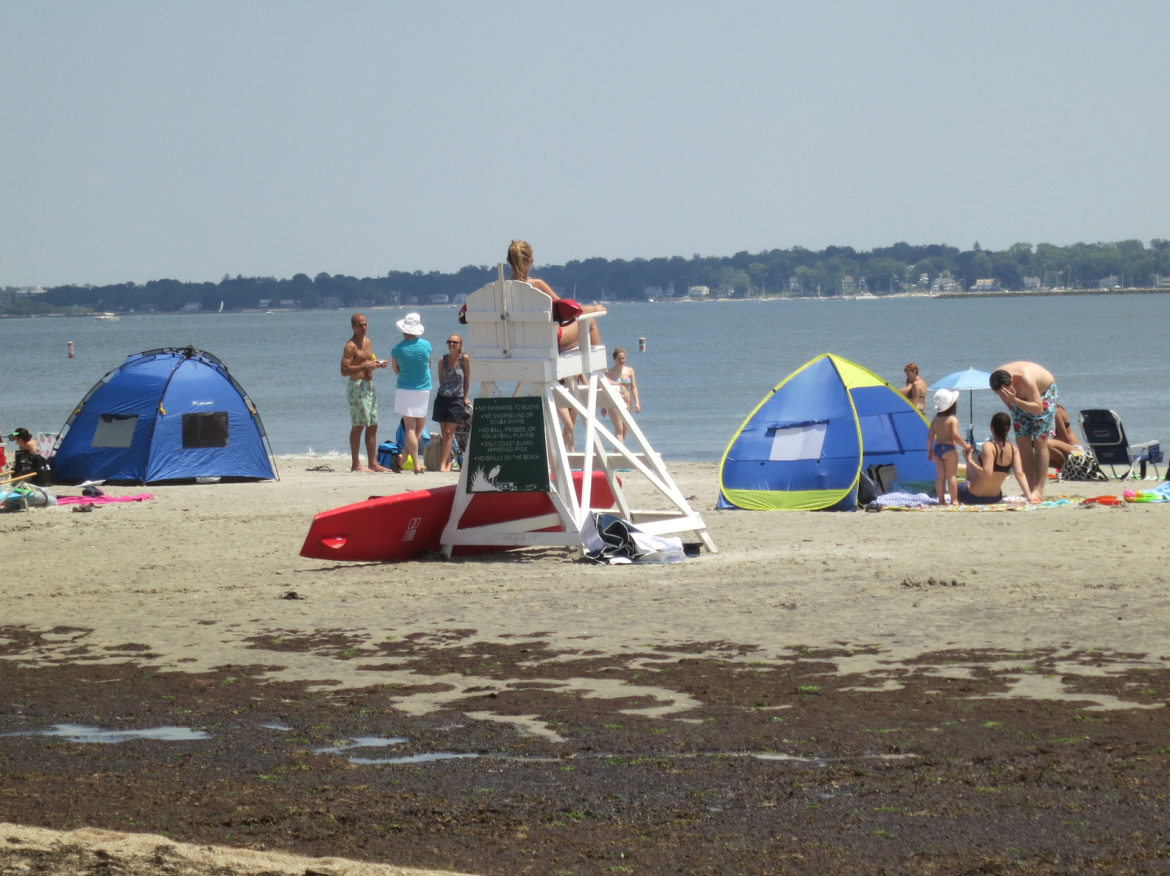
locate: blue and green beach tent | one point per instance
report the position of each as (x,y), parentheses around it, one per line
(805,445)
(171,414)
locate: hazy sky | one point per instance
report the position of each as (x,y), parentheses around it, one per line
(143,140)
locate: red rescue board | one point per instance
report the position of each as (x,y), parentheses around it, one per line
(400,527)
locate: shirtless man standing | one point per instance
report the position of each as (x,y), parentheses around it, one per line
(1029,391)
(358,363)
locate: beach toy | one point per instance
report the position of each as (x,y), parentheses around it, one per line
(1140,497)
(1103,500)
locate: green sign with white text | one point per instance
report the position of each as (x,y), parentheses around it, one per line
(507,453)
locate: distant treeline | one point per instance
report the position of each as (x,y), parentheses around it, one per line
(835,270)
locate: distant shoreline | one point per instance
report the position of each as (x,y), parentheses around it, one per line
(1004,293)
(1000,293)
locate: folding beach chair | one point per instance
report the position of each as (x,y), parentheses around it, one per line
(1106,438)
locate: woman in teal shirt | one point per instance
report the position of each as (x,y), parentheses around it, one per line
(411,360)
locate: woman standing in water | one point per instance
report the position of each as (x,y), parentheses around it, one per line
(622,376)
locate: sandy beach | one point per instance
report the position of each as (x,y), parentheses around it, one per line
(147,572)
(1058,607)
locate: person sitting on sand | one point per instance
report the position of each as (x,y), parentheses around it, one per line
(985,475)
(915,388)
(24,440)
(1065,442)
(941,440)
(520,258)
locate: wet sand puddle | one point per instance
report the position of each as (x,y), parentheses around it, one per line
(81,733)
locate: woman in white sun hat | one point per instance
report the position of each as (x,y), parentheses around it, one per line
(941,442)
(411,360)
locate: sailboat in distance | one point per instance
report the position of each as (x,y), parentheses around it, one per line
(220,307)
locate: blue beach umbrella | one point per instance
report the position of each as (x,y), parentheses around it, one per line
(965,381)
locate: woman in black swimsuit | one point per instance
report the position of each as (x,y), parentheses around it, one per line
(984,484)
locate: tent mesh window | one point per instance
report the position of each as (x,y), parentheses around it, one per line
(114,430)
(205,429)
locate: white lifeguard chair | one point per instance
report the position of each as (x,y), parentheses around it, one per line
(512,338)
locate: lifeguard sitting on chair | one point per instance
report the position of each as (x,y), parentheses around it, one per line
(520,258)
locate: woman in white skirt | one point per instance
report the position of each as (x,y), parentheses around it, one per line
(411,360)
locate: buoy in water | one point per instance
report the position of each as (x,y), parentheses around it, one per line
(641,345)
(70,349)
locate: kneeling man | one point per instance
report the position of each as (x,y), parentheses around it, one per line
(1029,391)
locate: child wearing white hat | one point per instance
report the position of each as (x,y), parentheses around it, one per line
(941,442)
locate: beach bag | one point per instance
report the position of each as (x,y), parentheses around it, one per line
(867,490)
(1081,466)
(566,310)
(433,455)
(30,463)
(883,477)
(388,454)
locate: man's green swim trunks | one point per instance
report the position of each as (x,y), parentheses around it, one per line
(363,402)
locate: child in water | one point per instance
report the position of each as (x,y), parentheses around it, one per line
(941,442)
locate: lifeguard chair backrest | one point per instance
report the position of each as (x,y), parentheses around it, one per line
(510,319)
(512,336)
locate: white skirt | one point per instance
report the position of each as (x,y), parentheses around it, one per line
(412,402)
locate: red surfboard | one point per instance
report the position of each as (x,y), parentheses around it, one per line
(392,528)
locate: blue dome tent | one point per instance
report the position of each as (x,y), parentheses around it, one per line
(805,445)
(164,415)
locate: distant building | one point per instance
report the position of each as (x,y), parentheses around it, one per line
(794,285)
(330,302)
(289,302)
(440,298)
(1031,284)
(945,283)
(1161,282)
(985,286)
(1110,282)
(5,297)
(265,302)
(848,284)
(191,307)
(652,292)
(924,279)
(23,292)
(698,291)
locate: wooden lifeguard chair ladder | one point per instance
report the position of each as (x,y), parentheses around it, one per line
(512,338)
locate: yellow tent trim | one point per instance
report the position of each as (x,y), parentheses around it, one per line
(785,500)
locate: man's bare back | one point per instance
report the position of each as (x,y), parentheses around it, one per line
(1029,380)
(1029,391)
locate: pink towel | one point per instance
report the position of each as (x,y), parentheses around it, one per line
(102,500)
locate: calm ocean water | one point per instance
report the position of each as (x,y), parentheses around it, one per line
(705,368)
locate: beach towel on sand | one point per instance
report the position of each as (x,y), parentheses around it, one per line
(609,539)
(102,500)
(1009,503)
